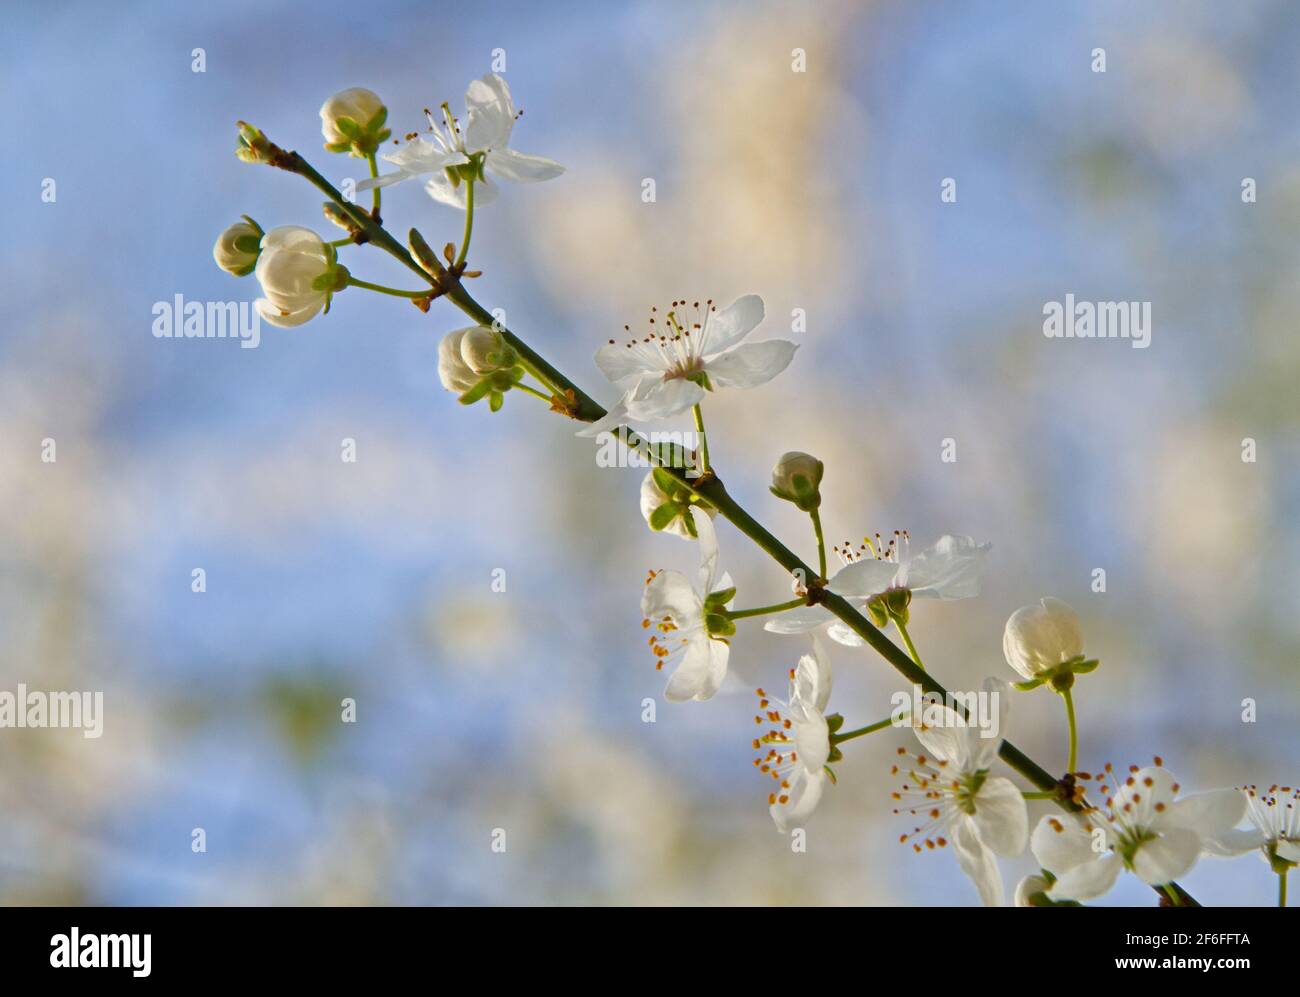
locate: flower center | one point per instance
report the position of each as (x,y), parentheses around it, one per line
(676,341)
(935,795)
(781,756)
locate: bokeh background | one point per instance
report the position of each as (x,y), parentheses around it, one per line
(522,709)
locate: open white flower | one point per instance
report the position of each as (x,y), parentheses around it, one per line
(957,799)
(1038,638)
(691,349)
(298,274)
(949,569)
(1274,815)
(690,628)
(480,149)
(1142,827)
(798,742)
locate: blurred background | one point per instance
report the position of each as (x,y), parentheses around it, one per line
(523,710)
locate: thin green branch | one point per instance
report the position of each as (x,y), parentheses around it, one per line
(780,607)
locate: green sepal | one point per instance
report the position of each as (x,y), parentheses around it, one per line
(347,127)
(661,517)
(688,521)
(249,244)
(701,378)
(666,482)
(1033,683)
(718,599)
(1084,667)
(340,146)
(377,121)
(495,400)
(476,392)
(834,722)
(719,625)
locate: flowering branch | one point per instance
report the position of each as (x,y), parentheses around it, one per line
(671,370)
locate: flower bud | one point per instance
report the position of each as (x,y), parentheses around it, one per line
(238,247)
(298,275)
(485,350)
(455,374)
(665,505)
(353,121)
(1039,638)
(797,478)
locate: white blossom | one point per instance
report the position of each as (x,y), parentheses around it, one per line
(797,740)
(1142,826)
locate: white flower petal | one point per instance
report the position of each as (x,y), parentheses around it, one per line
(864,578)
(670,593)
(701,671)
(707,576)
(1027,887)
(626,366)
(729,326)
(423,156)
(947,570)
(270,312)
(507,164)
(655,399)
(842,633)
(977,861)
(1089,880)
(939,734)
(440,188)
(751,364)
(491,114)
(1001,816)
(810,689)
(800,620)
(1207,814)
(805,793)
(1234,842)
(1165,858)
(1060,843)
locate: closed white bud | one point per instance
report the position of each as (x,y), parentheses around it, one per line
(456,375)
(485,350)
(353,120)
(797,478)
(297,273)
(238,247)
(1038,638)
